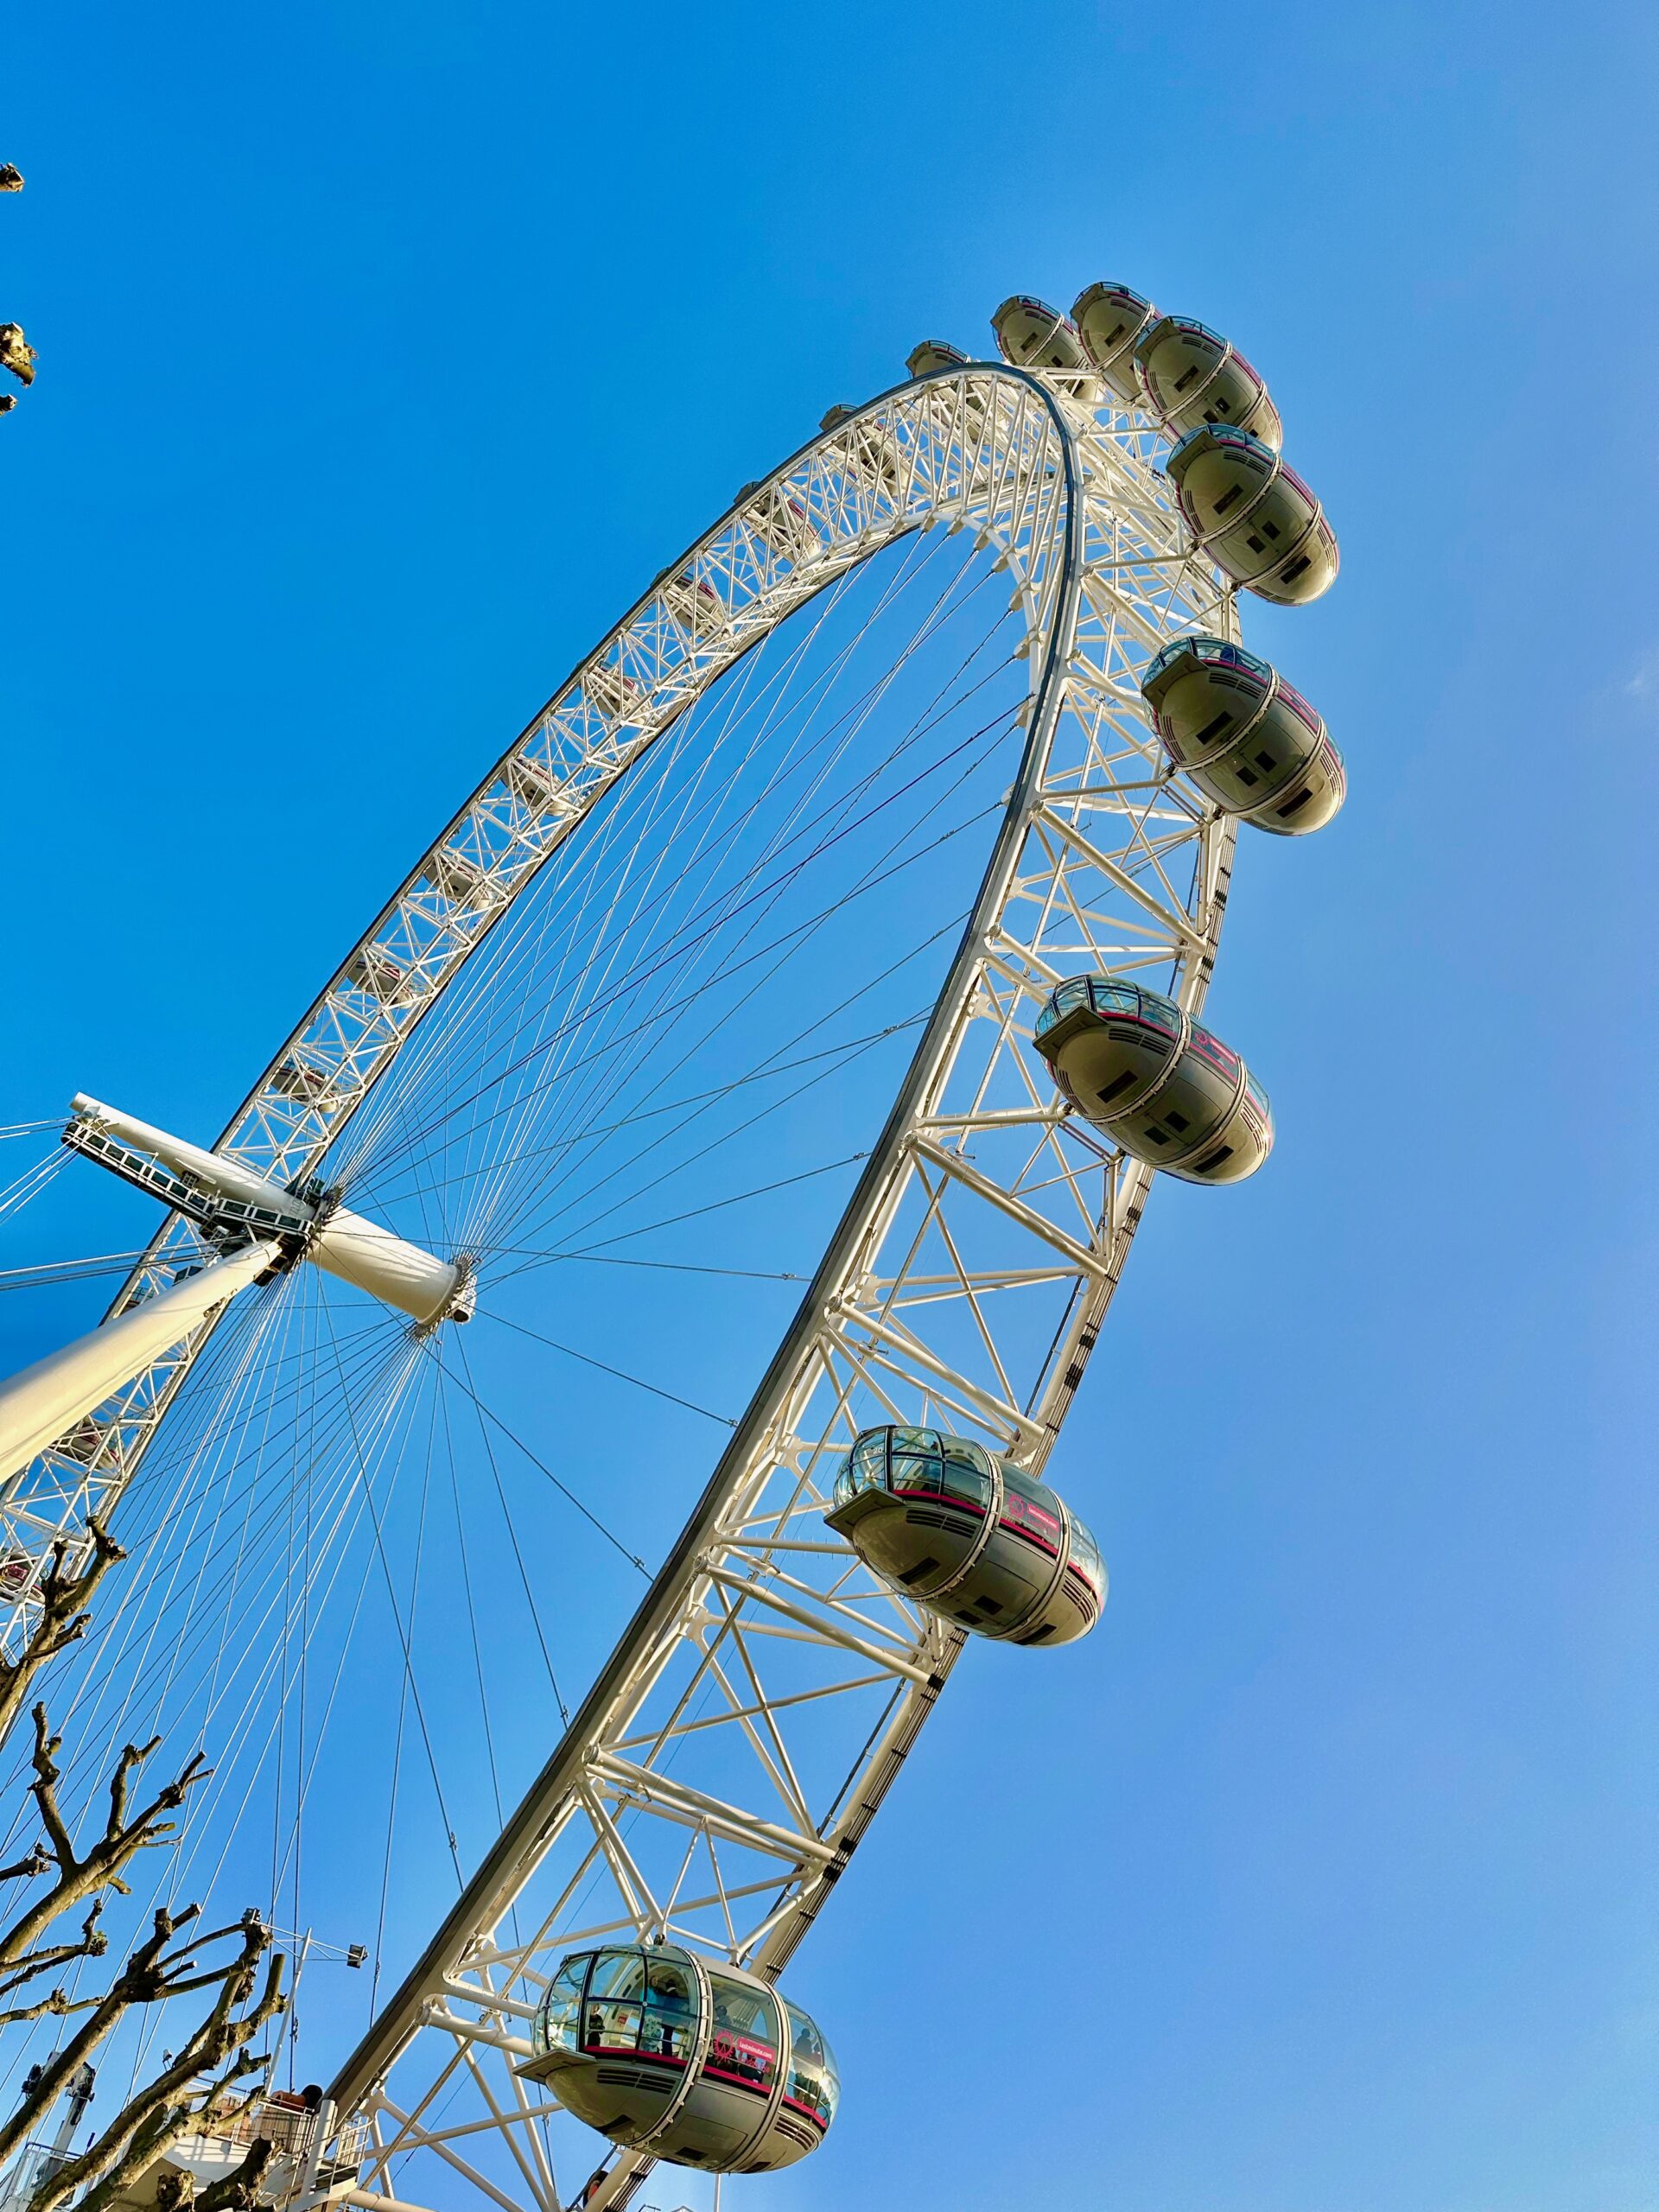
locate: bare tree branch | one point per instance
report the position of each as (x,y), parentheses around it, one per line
(174,1959)
(125,1836)
(163,2111)
(57,2002)
(64,1600)
(239,2192)
(135,1984)
(93,1945)
(233,2192)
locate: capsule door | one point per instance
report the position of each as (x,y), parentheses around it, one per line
(1110,319)
(1192,375)
(1017,1568)
(724,2119)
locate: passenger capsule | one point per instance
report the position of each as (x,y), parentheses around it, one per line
(870,450)
(1192,375)
(703,2064)
(1254,518)
(978,1541)
(381,975)
(1110,319)
(1030,334)
(1248,741)
(782,523)
(299,1079)
(464,881)
(613,692)
(1137,1067)
(694,603)
(935,353)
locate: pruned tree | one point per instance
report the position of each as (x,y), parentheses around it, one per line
(62,1607)
(67,1878)
(171,2106)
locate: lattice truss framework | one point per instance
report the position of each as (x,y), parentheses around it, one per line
(718,1779)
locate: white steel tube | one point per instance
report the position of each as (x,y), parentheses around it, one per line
(45,1401)
(359,1252)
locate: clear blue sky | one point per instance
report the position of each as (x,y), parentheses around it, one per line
(386,352)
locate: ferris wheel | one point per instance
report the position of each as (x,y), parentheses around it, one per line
(903,804)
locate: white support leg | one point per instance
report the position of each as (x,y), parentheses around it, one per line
(45,1401)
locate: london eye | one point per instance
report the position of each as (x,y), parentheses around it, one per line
(778,1046)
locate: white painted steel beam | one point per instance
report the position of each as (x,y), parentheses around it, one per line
(46,1402)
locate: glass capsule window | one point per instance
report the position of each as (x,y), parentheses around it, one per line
(1185,322)
(612,2011)
(1154,1008)
(813,2085)
(556,2024)
(649,2001)
(743,2046)
(618,1975)
(914,1443)
(916,1461)
(621,2000)
(1063,999)
(1218,1056)
(913,1461)
(1257,1097)
(1033,1508)
(1208,652)
(1226,656)
(1085,1557)
(864,1468)
(668,2024)
(1109,995)
(966,1473)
